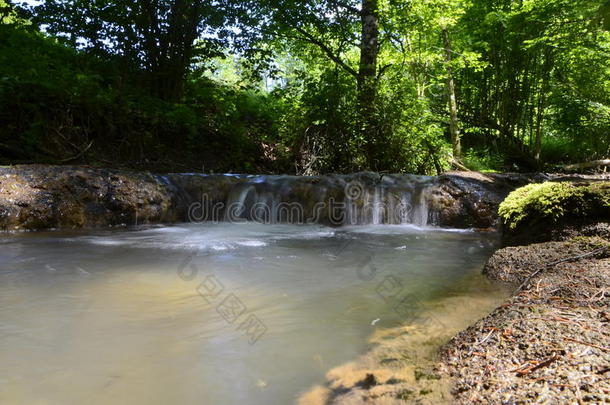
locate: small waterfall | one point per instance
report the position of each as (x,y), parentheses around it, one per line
(420,209)
(405,208)
(235,208)
(377,207)
(359,199)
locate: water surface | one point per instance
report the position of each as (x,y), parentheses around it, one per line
(209,314)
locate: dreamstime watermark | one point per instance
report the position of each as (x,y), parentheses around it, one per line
(226,303)
(349,211)
(357,205)
(391,290)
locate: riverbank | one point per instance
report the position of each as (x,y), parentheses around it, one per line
(38,197)
(549,342)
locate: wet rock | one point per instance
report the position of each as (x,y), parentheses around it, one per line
(469,200)
(42,197)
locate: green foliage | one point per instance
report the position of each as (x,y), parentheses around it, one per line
(537,203)
(483,160)
(274,85)
(55,101)
(545,76)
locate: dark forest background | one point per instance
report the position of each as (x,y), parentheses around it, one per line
(305,87)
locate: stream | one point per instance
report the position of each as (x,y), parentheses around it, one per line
(207,313)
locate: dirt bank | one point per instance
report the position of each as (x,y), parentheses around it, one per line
(550,342)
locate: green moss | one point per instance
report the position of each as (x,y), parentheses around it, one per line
(404,394)
(536,203)
(420,374)
(590,242)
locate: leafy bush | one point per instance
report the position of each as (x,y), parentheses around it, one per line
(483,160)
(59,105)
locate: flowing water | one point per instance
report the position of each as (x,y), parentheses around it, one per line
(210,313)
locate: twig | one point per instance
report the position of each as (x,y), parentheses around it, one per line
(486,337)
(603,349)
(82,152)
(569,259)
(543,363)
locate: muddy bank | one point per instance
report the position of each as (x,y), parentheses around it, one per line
(550,342)
(34,197)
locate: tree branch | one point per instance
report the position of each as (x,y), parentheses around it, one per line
(587,165)
(306,36)
(382,70)
(329,52)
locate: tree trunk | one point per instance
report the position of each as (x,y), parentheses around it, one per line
(586,165)
(170,48)
(547,66)
(367,78)
(538,139)
(453,111)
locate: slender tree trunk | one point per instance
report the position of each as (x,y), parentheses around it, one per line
(171,48)
(454,127)
(367,78)
(547,66)
(539,117)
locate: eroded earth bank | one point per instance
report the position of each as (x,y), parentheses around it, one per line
(36,197)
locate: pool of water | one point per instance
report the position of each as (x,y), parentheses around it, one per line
(210,314)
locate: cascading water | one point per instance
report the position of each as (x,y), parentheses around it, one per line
(420,209)
(102,197)
(333,200)
(378,209)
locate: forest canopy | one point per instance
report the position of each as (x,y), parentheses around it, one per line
(306,87)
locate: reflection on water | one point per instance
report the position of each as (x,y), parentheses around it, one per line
(158,315)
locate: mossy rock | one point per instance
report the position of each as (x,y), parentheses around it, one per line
(539,212)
